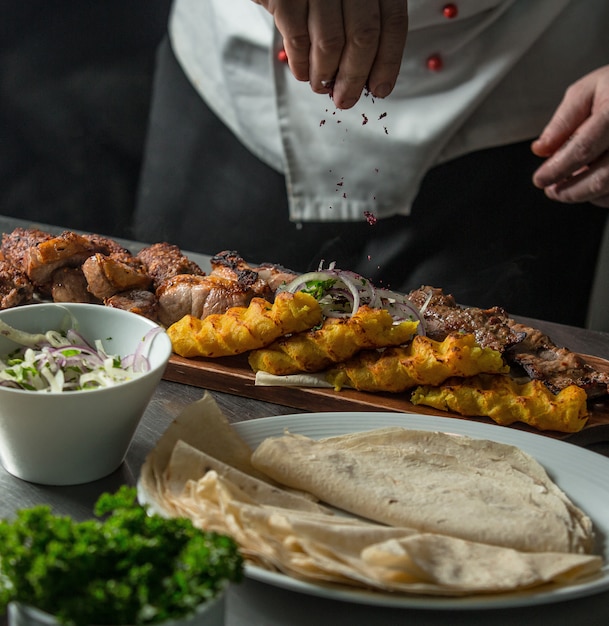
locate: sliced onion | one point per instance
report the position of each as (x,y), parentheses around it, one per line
(347,291)
(66,362)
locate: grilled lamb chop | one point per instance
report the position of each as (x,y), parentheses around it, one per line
(108,275)
(137,301)
(15,287)
(558,368)
(164,260)
(188,294)
(443,315)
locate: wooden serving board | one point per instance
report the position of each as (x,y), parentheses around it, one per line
(234,376)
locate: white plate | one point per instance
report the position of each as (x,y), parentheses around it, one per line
(582,474)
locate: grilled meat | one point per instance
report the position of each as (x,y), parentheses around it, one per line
(70,285)
(164,260)
(109,247)
(16,245)
(423,361)
(108,275)
(66,250)
(199,296)
(522,347)
(15,287)
(336,340)
(137,301)
(558,368)
(241,329)
(230,265)
(442,315)
(275,275)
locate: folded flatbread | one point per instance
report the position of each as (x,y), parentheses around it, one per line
(438,483)
(201,469)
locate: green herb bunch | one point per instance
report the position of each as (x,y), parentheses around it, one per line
(127,568)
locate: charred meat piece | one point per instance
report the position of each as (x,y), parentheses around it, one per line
(187,294)
(109,275)
(137,301)
(68,284)
(491,327)
(15,287)
(16,245)
(108,246)
(275,275)
(558,368)
(66,250)
(164,260)
(230,265)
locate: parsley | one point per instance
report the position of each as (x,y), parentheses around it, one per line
(128,568)
(319,288)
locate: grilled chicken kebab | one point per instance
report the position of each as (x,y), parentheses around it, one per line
(163,284)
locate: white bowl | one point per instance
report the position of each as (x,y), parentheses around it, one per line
(211,613)
(73,437)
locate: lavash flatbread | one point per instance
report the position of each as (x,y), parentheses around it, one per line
(289,533)
(435,482)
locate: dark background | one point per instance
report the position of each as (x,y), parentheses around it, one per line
(75,88)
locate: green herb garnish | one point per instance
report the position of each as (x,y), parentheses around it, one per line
(318,288)
(128,568)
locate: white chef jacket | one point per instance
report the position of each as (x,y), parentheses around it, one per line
(501,68)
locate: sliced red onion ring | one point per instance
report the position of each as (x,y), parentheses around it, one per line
(346,291)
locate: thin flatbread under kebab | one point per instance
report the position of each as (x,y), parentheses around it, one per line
(434,482)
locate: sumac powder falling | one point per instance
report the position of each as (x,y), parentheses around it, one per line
(370,217)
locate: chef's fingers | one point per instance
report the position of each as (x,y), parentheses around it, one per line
(292,21)
(590,184)
(578,132)
(386,66)
(582,149)
(362,20)
(327,33)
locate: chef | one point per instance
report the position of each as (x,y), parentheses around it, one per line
(425,181)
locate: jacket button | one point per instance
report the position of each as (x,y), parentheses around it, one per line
(450,10)
(434,63)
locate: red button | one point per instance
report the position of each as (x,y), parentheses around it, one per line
(282,56)
(450,10)
(435,63)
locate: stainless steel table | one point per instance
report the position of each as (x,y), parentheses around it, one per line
(254,603)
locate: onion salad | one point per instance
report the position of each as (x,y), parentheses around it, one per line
(341,293)
(58,361)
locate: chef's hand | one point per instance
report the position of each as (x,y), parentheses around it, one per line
(576,144)
(343,46)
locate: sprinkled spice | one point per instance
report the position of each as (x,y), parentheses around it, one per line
(382,115)
(370,217)
(365,119)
